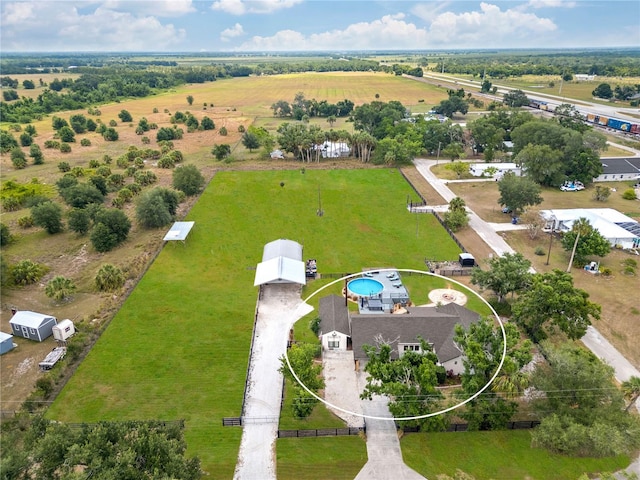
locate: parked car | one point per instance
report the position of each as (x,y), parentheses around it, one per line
(572,186)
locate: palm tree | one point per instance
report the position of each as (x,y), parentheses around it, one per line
(580,227)
(59,288)
(631,388)
(457,203)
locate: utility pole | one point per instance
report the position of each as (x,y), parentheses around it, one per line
(438,155)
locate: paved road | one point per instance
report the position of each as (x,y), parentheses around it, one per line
(593,340)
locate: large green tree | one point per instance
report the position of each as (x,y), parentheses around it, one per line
(543,164)
(552,302)
(134,450)
(508,273)
(409,382)
(487,137)
(482,345)
(302,358)
(582,410)
(518,192)
(515,98)
(583,241)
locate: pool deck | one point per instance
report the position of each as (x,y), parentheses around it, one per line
(391,282)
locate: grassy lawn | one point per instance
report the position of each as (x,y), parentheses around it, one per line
(499,455)
(331,458)
(178,348)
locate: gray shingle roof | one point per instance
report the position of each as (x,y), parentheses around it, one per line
(334,315)
(434,324)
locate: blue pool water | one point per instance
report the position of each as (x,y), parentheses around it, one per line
(365,286)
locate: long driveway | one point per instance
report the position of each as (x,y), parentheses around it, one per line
(278,309)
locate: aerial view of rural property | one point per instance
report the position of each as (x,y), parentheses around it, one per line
(320,239)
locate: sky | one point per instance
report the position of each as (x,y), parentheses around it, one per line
(314,25)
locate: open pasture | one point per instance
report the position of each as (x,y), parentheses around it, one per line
(179,346)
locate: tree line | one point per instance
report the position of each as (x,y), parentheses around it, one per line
(615,63)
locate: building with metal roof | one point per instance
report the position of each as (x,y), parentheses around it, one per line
(281,263)
(619,229)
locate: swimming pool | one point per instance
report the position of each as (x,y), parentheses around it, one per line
(365,287)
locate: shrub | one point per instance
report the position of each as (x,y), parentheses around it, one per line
(26,222)
(112,123)
(630,262)
(539,251)
(111,228)
(109,278)
(115,180)
(629,194)
(79,221)
(188,179)
(103,171)
(5,235)
(110,135)
(166,162)
(81,195)
(18,158)
(94,163)
(85,142)
(223,131)
(25,139)
(145,178)
(157,208)
(26,272)
(606,272)
(48,216)
(629,270)
(241,128)
(52,144)
(64,166)
(11,204)
(45,386)
(146,140)
(65,147)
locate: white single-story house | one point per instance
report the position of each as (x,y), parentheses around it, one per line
(619,169)
(333,149)
(6,343)
(620,230)
(32,325)
(584,77)
(403,331)
(334,323)
(480,169)
(281,263)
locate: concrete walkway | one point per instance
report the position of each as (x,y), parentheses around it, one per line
(278,310)
(341,386)
(383,446)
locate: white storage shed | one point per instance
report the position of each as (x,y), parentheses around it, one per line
(63,330)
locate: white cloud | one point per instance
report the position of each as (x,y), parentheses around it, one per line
(158,8)
(17,13)
(229,33)
(59,26)
(429,11)
(551,4)
(488,27)
(240,7)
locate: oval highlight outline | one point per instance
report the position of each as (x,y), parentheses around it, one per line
(418,417)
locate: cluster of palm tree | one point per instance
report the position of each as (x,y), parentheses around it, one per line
(306,143)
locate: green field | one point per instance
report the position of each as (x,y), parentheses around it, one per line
(503,454)
(179,346)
